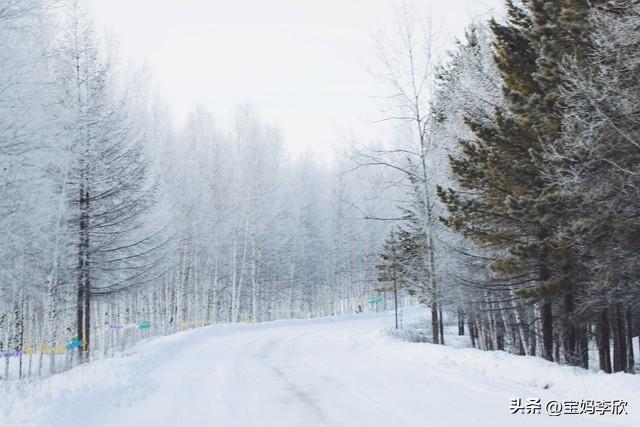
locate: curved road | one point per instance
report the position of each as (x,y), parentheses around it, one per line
(325,372)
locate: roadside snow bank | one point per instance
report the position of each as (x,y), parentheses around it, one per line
(539,378)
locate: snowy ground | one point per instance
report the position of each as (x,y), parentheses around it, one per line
(326,372)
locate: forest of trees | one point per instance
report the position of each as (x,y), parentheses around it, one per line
(111,216)
(507,193)
(534,218)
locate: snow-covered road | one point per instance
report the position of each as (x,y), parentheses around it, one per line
(325,372)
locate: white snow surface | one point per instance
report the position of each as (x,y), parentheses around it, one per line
(344,371)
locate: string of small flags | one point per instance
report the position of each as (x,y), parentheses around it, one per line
(148,325)
(76,343)
(44,348)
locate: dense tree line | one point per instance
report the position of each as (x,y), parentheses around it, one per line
(536,121)
(116,224)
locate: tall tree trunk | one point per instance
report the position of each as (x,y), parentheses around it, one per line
(234,274)
(603,341)
(86,279)
(254,285)
(245,245)
(547,330)
(395,298)
(630,355)
(435,325)
(619,339)
(441,324)
(533,335)
(497,314)
(582,344)
(569,335)
(472,330)
(81,266)
(87,317)
(521,338)
(80,301)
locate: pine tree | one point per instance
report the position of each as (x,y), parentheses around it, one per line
(510,208)
(392,268)
(594,169)
(416,246)
(108,194)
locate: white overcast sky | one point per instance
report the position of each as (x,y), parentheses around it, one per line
(301,63)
